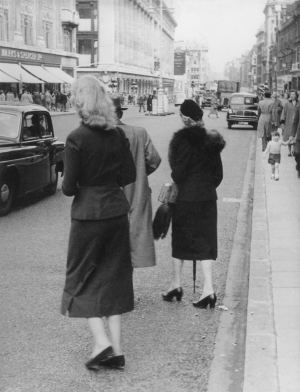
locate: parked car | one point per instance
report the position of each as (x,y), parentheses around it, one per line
(179,99)
(243,109)
(30,155)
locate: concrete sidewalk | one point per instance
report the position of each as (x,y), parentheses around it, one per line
(272,361)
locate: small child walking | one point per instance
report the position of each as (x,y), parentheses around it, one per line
(273,149)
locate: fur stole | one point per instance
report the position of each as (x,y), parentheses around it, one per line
(191,141)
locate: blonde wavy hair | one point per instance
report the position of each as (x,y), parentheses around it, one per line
(92,103)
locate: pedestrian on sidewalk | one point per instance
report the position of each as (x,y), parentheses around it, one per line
(213,104)
(195,161)
(276,111)
(296,135)
(141,103)
(147,160)
(287,118)
(274,151)
(264,122)
(149,104)
(99,273)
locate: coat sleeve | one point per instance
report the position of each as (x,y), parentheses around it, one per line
(152,157)
(72,167)
(283,114)
(179,161)
(218,174)
(127,173)
(295,122)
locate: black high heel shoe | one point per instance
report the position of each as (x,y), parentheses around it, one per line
(177,293)
(209,300)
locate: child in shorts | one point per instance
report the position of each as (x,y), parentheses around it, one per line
(273,148)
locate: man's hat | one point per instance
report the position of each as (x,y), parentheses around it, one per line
(117,102)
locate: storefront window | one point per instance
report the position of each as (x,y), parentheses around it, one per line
(67,40)
(26,26)
(3,25)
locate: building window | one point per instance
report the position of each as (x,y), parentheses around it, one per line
(85,46)
(67,40)
(48,33)
(3,25)
(26,27)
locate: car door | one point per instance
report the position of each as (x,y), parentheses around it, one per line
(36,151)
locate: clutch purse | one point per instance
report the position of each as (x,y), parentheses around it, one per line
(168,193)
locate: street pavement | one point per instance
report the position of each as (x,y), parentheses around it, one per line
(168,346)
(273,337)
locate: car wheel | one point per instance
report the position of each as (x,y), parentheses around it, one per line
(52,188)
(229,125)
(7,193)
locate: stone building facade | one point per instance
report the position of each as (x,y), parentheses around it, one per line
(260,50)
(38,34)
(127,33)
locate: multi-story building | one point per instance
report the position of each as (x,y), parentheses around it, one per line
(288,49)
(197,68)
(273,11)
(260,39)
(232,70)
(37,43)
(119,42)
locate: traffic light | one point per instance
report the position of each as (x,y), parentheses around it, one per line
(193,84)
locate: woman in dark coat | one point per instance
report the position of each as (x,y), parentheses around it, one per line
(99,273)
(149,103)
(196,165)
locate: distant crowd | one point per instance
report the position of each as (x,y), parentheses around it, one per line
(52,100)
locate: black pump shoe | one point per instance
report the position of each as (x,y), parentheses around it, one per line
(95,363)
(177,293)
(117,361)
(209,300)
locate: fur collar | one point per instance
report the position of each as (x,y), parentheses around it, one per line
(200,138)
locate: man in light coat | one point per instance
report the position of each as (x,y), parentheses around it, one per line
(264,123)
(138,194)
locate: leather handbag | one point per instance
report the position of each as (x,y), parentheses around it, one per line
(168,193)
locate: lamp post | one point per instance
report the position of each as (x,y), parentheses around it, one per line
(160,91)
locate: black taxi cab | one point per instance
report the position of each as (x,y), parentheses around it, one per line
(30,155)
(243,109)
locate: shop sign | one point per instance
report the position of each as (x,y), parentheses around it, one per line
(68,62)
(24,55)
(179,63)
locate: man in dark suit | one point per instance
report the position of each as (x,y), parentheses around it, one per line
(296,134)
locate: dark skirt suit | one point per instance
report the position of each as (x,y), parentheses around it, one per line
(99,272)
(195,160)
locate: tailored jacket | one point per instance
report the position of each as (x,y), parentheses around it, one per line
(287,118)
(264,113)
(138,194)
(195,160)
(98,163)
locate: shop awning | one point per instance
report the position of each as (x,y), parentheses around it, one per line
(41,73)
(17,72)
(4,78)
(59,73)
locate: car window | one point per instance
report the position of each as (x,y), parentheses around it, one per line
(45,126)
(237,101)
(250,100)
(9,125)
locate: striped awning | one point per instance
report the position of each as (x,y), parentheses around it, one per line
(41,73)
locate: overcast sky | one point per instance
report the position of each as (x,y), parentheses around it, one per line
(228,27)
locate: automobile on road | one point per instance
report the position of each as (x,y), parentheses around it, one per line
(30,155)
(243,109)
